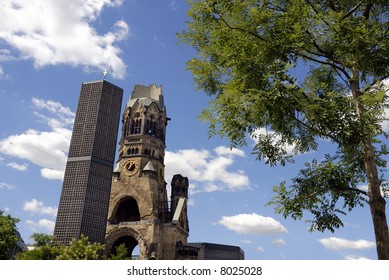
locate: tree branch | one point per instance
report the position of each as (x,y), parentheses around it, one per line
(332,64)
(317,132)
(352,10)
(347,189)
(316,45)
(241,29)
(374,82)
(316,11)
(366,13)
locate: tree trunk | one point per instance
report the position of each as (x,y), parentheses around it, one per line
(376,202)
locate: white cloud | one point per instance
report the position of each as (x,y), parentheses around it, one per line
(64,117)
(37,207)
(173,5)
(276,138)
(278,242)
(17,166)
(252,224)
(6,186)
(353,257)
(52,174)
(41,148)
(382,188)
(42,224)
(207,169)
(245,241)
(335,243)
(47,149)
(226,151)
(61,32)
(191,202)
(259,249)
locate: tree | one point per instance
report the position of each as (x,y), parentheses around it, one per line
(47,249)
(250,58)
(121,253)
(44,248)
(42,239)
(8,237)
(81,249)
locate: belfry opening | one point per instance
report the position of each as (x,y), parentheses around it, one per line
(128,211)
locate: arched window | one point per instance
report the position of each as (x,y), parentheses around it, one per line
(128,211)
(126,127)
(136,126)
(151,126)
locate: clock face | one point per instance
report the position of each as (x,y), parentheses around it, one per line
(131,167)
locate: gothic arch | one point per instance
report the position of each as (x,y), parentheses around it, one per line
(126,210)
(127,235)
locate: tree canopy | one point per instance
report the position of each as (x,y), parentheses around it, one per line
(291,73)
(8,237)
(79,249)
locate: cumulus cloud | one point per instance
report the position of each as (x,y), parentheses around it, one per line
(37,207)
(46,149)
(335,243)
(207,169)
(6,186)
(260,249)
(61,32)
(276,138)
(252,224)
(41,148)
(278,242)
(43,224)
(52,174)
(353,257)
(17,166)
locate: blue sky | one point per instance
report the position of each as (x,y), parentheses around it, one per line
(48,48)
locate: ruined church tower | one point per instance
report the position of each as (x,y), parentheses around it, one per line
(139,209)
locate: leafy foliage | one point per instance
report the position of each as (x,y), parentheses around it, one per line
(81,249)
(291,73)
(325,189)
(46,249)
(121,253)
(8,237)
(42,239)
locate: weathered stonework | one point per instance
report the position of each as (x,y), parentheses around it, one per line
(139,211)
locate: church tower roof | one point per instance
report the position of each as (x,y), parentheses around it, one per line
(146,95)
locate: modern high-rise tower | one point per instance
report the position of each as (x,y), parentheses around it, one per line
(84,201)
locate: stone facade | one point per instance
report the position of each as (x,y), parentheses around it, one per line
(139,212)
